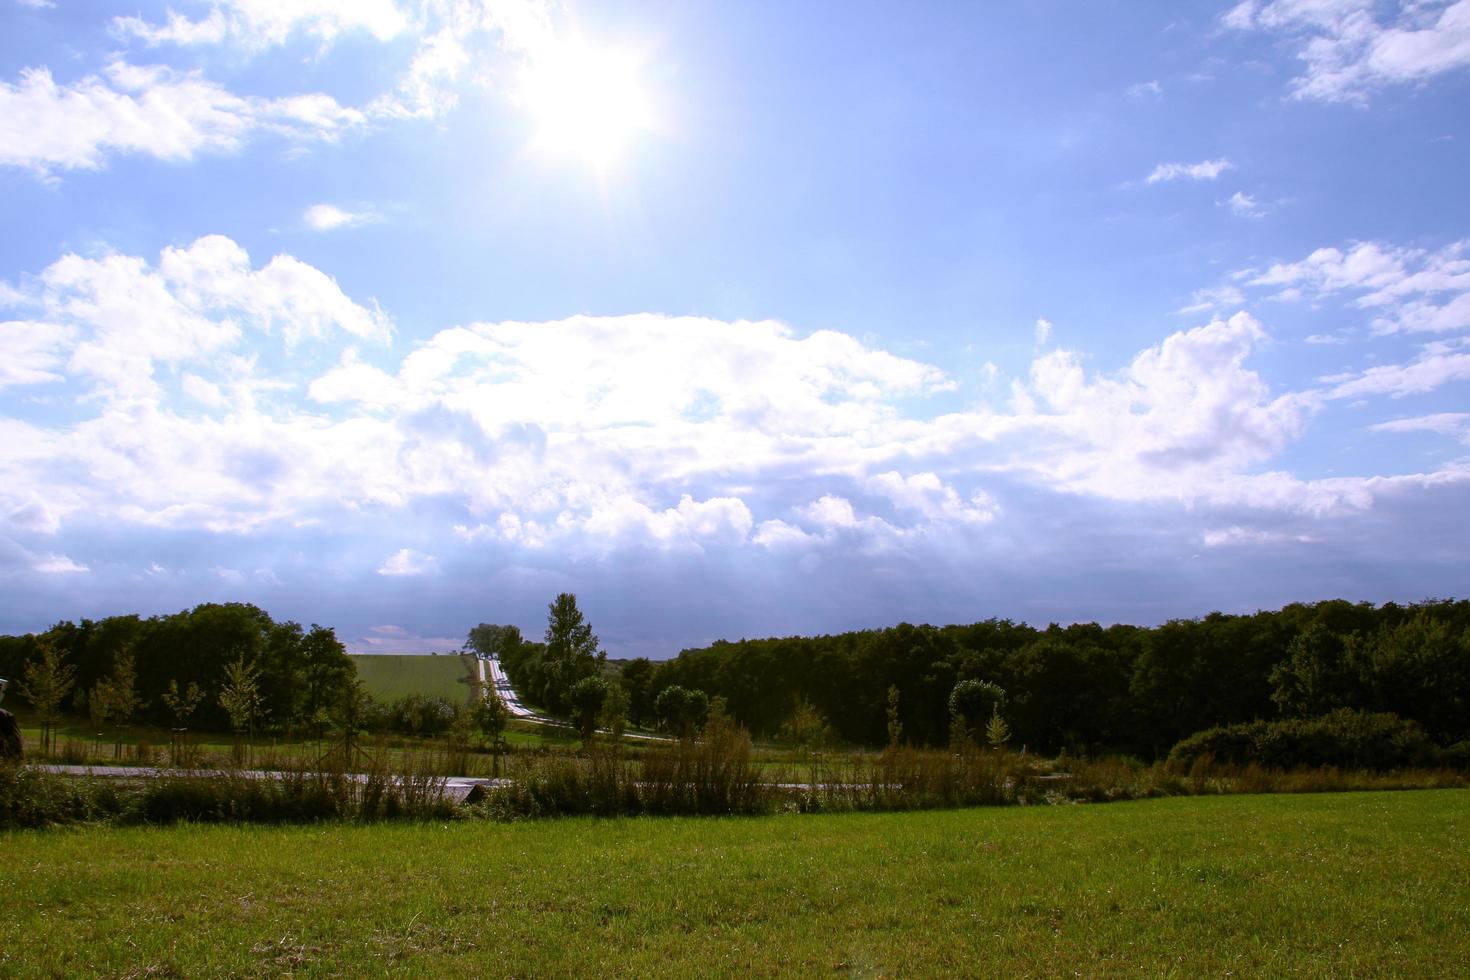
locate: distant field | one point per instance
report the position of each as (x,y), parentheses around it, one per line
(389,676)
(1342,884)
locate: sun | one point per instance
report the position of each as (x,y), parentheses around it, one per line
(587,102)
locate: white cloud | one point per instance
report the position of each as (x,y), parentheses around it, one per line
(1145,90)
(1206,300)
(407,562)
(31,352)
(1429,371)
(1349,52)
(1237,535)
(1409,289)
(1242,205)
(1204,170)
(1043,331)
(51,564)
(329,217)
(153,110)
(113,317)
(930,497)
(1456,424)
(262,23)
(210,393)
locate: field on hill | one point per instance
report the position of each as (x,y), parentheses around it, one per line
(1345,883)
(390,676)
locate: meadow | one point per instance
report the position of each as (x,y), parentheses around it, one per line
(1347,883)
(390,676)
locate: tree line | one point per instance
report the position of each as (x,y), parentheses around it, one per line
(1083,688)
(214,666)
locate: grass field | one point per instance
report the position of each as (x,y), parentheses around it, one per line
(390,676)
(1265,885)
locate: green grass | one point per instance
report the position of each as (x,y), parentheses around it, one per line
(1261,885)
(390,676)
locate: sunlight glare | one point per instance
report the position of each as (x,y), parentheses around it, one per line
(587,102)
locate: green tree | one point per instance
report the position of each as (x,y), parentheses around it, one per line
(614,716)
(997,732)
(806,727)
(895,725)
(571,651)
(122,695)
(181,705)
(971,704)
(239,696)
(45,683)
(637,679)
(490,717)
(680,711)
(586,699)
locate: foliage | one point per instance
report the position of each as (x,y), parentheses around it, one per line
(972,704)
(680,710)
(1093,690)
(45,682)
(490,717)
(997,732)
(301,672)
(239,693)
(585,699)
(182,704)
(1345,738)
(806,727)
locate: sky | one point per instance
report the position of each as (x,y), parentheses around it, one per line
(735,320)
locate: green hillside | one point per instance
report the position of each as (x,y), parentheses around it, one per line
(390,676)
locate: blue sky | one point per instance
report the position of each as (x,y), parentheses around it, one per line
(734,319)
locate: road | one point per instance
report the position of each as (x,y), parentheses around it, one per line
(455,787)
(507,694)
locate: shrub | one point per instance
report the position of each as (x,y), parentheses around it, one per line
(1345,738)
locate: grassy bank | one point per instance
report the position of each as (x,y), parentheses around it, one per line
(1347,883)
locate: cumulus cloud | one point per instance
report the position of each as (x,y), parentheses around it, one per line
(1204,170)
(149,110)
(217,394)
(407,561)
(1350,48)
(112,318)
(1043,331)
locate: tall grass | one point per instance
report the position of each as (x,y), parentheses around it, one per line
(390,786)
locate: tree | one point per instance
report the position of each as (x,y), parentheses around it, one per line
(680,710)
(45,684)
(637,679)
(571,651)
(971,705)
(491,716)
(614,716)
(122,695)
(806,727)
(181,705)
(586,698)
(997,732)
(239,696)
(895,726)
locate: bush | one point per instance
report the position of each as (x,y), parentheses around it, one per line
(1345,738)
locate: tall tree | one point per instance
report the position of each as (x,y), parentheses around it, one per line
(46,682)
(571,650)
